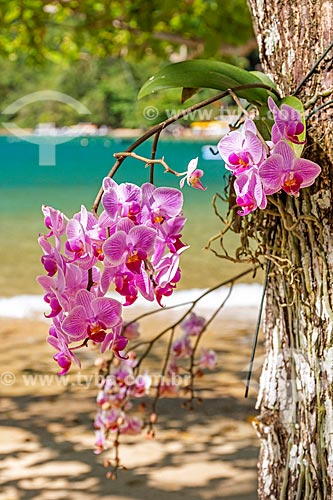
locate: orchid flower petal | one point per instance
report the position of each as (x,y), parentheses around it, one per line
(170,199)
(108,311)
(142,238)
(308,170)
(271,172)
(115,247)
(76,323)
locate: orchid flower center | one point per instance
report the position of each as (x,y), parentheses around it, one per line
(96,331)
(134,261)
(158,218)
(194,180)
(241,159)
(98,251)
(292,183)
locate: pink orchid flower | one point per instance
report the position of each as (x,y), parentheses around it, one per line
(181,348)
(193,325)
(123,200)
(54,220)
(91,317)
(193,176)
(131,425)
(282,170)
(242,150)
(208,359)
(249,192)
(288,123)
(65,356)
(130,248)
(160,204)
(131,330)
(116,342)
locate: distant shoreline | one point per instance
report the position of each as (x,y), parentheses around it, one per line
(119,133)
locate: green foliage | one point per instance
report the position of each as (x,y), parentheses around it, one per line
(208,74)
(69,28)
(107,87)
(101,51)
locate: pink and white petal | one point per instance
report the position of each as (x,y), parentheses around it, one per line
(129,192)
(241,184)
(258,191)
(45,282)
(263,203)
(168,270)
(229,144)
(106,310)
(74,229)
(143,238)
(92,221)
(107,342)
(272,173)
(287,153)
(107,278)
(272,106)
(84,298)
(249,126)
(110,203)
(82,216)
(192,166)
(182,182)
(307,169)
(170,199)
(254,146)
(115,247)
(144,286)
(109,184)
(75,325)
(276,134)
(290,114)
(73,277)
(147,192)
(125,224)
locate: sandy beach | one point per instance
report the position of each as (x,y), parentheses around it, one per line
(46,436)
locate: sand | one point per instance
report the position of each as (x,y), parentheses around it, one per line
(46,434)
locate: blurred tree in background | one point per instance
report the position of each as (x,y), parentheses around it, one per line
(100,52)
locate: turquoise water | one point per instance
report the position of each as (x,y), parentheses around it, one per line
(80,167)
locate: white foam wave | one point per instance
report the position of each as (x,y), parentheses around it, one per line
(243,296)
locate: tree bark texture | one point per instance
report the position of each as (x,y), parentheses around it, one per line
(296,388)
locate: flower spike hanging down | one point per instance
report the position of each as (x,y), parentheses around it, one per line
(133,246)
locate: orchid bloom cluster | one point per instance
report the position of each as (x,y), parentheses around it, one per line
(264,168)
(122,385)
(134,247)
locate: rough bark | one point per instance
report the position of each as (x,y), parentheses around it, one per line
(296,391)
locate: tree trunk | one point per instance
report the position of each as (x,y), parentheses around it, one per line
(296,388)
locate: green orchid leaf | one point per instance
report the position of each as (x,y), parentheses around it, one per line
(295,103)
(188,92)
(264,78)
(207,74)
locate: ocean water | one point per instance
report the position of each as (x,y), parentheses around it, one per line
(75,179)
